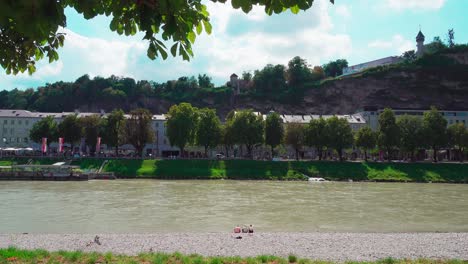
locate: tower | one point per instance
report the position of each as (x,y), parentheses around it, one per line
(420,44)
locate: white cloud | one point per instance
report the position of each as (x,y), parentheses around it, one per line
(343,11)
(398,43)
(312,39)
(256,43)
(99,56)
(415,4)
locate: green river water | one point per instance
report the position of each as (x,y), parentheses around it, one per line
(141,206)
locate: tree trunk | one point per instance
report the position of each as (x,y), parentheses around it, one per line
(297,154)
(388,154)
(249,151)
(272,151)
(434,154)
(319,153)
(206,151)
(340,154)
(227,151)
(461,153)
(181,152)
(365,155)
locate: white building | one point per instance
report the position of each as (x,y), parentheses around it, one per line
(420,49)
(371,115)
(16,124)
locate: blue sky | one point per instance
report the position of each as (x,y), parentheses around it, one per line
(357,30)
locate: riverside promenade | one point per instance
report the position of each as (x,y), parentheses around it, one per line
(320,246)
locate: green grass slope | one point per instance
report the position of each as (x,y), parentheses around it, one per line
(291,170)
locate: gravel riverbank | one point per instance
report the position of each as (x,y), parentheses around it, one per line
(323,246)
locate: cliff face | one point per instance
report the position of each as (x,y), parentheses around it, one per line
(445,87)
(440,81)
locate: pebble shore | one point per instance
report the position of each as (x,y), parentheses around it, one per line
(321,246)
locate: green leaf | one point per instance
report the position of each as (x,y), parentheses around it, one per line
(163,52)
(207,26)
(114,24)
(191,36)
(236,3)
(199,28)
(151,51)
(174,49)
(295,9)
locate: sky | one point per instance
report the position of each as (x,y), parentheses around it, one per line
(356,30)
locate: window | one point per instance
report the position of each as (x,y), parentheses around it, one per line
(12,139)
(5,121)
(25,140)
(18,139)
(5,130)
(165,142)
(456,121)
(12,122)
(26,122)
(12,131)
(20,122)
(157,124)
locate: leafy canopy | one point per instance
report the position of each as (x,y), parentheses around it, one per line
(46,127)
(274,131)
(181,125)
(31,30)
(208,133)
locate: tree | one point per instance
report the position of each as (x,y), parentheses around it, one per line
(247,76)
(316,135)
(435,130)
(340,134)
(409,56)
(335,68)
(44,128)
(90,130)
(295,137)
(318,73)
(274,131)
(70,130)
(208,132)
(411,133)
(204,81)
(366,139)
(435,46)
(114,129)
(271,79)
(458,137)
(138,129)
(389,133)
(451,38)
(298,72)
(30,30)
(248,129)
(181,125)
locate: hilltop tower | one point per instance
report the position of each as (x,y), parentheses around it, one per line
(420,44)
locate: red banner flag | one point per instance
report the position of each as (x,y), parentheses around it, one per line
(44,145)
(60,145)
(98,144)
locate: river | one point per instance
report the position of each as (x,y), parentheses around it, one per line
(141,206)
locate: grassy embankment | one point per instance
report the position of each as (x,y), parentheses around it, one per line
(292,170)
(269,170)
(13,255)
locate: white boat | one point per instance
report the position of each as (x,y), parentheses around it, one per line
(315,179)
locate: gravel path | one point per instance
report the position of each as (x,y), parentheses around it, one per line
(323,246)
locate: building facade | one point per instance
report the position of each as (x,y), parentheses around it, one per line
(371,115)
(420,50)
(16,124)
